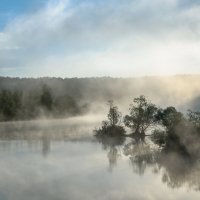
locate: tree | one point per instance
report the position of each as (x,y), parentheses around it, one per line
(46,99)
(111,127)
(65,105)
(194,118)
(10,104)
(142,115)
(114,115)
(169,117)
(176,137)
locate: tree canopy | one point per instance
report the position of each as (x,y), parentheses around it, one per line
(114,116)
(141,116)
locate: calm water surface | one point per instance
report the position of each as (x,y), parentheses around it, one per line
(61,160)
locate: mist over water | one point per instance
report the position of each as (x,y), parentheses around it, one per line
(61,159)
(51,156)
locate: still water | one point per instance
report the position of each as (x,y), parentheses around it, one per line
(62,160)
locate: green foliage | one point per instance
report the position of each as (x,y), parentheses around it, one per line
(169,117)
(142,115)
(10,104)
(66,104)
(111,127)
(159,137)
(114,115)
(111,131)
(46,99)
(176,136)
(32,104)
(194,118)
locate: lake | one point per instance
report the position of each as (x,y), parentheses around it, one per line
(62,160)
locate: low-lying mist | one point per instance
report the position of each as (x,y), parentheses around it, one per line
(47,133)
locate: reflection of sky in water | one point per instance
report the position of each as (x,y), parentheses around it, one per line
(55,169)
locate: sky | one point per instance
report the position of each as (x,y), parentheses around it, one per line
(92,38)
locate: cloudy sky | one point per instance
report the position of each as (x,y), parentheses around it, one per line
(84,38)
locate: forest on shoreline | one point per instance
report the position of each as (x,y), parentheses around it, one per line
(31,98)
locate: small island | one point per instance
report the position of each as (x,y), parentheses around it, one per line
(167,128)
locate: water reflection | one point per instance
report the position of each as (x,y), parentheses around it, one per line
(40,134)
(112,145)
(177,169)
(67,162)
(141,155)
(46,144)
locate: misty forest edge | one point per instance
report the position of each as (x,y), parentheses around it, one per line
(167,127)
(49,97)
(26,99)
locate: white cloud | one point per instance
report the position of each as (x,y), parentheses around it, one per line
(96,38)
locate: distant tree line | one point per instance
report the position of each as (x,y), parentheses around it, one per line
(20,105)
(96,90)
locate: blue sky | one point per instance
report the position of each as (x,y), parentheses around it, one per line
(81,38)
(9,9)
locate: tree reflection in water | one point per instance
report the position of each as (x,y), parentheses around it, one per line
(41,134)
(177,169)
(141,155)
(113,145)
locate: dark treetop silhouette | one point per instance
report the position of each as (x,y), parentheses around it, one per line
(167,127)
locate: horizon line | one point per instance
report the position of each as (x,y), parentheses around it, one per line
(89,77)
